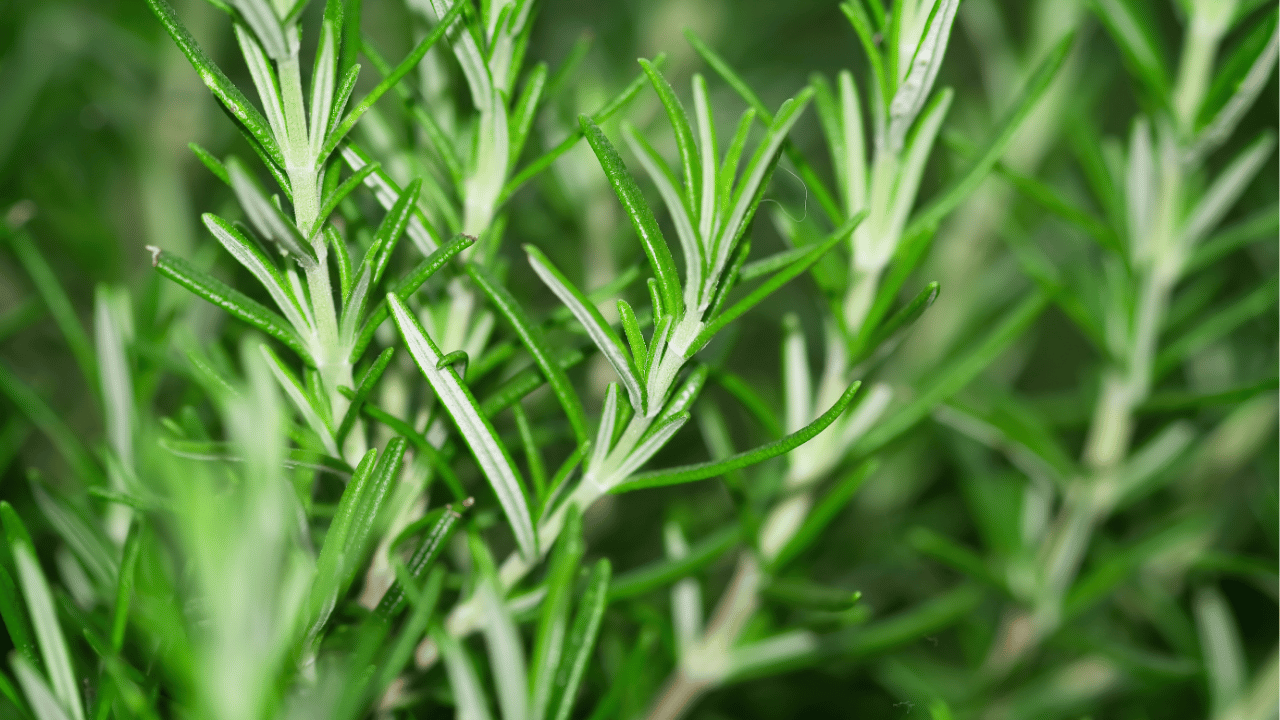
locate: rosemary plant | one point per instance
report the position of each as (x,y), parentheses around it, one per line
(401,442)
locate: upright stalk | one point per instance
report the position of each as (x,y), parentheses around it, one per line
(1157,254)
(303,168)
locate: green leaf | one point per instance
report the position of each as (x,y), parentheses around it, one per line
(954,376)
(581,641)
(1028,99)
(1133,34)
(15,619)
(526,108)
(1222,649)
(607,111)
(562,473)
(228,298)
(866,32)
(490,453)
(264,80)
(410,634)
(387,192)
(593,322)
(553,624)
(805,594)
(811,180)
(1104,574)
(433,455)
(750,189)
(605,431)
(124,588)
(81,533)
(30,404)
(664,572)
(323,79)
(342,191)
(910,96)
(635,339)
(532,456)
(392,227)
(1236,85)
(822,514)
(424,557)
(679,120)
(1175,401)
(404,68)
(502,641)
(1216,326)
(341,258)
(782,277)
(773,263)
(301,399)
(266,216)
(533,340)
(44,702)
(222,88)
(905,318)
(654,440)
(914,623)
(701,471)
(646,227)
(367,517)
(1262,225)
(691,243)
(468,696)
(682,399)
(55,299)
(362,390)
(730,277)
(1226,189)
(570,64)
(1053,201)
(211,162)
(248,255)
(521,385)
(1004,424)
(44,617)
(750,399)
(262,16)
(407,287)
(725,71)
(707,147)
(953,554)
(728,171)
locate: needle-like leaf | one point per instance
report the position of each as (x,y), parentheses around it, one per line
(267,218)
(342,191)
(404,68)
(593,322)
(531,337)
(581,641)
(646,227)
(228,298)
(702,471)
(684,135)
(553,625)
(227,93)
(302,400)
(44,616)
(407,287)
(782,277)
(492,456)
(440,530)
